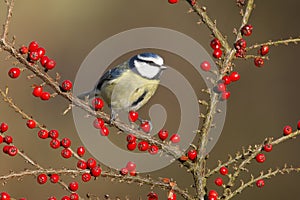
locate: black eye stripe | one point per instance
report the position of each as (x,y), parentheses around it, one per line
(148,62)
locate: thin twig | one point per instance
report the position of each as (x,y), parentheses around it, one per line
(269,174)
(275,43)
(10,6)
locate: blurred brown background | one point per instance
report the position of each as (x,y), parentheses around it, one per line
(262,102)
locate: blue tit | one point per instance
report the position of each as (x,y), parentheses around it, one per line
(129,85)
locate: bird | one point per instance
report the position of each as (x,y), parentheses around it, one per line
(129,85)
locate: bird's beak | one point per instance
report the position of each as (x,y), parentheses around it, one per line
(163,67)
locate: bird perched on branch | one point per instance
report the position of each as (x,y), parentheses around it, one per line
(129,85)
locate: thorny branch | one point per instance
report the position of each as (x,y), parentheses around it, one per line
(275,43)
(111,174)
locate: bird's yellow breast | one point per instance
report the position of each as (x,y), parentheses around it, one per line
(129,91)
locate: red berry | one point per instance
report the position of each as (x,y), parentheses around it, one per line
(221,87)
(132,173)
(171,195)
(130,166)
(86,177)
(97,103)
(37,91)
(124,171)
(31,123)
(215,44)
(34,56)
(42,178)
(96,171)
(14,72)
(23,50)
(223,170)
(91,163)
(260,158)
(5,148)
(8,139)
(131,138)
(33,46)
(163,134)
(263,50)
(234,76)
(211,198)
(43,134)
(192,154)
(81,164)
(205,66)
(66,85)
(260,183)
(298,125)
(44,60)
(213,193)
(4,196)
(240,44)
(98,123)
(80,151)
(66,153)
(153,149)
(52,198)
(1,139)
(172,1)
(217,53)
(247,30)
(73,186)
(41,51)
(133,116)
(175,138)
(74,196)
(53,134)
(54,178)
(146,126)
(50,64)
(268,147)
(219,181)
(287,130)
(65,198)
(55,143)
(3,127)
(45,96)
(65,142)
(131,146)
(12,151)
(225,95)
(259,62)
(226,80)
(152,196)
(240,53)
(143,146)
(104,131)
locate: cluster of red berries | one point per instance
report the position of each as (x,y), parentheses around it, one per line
(54,178)
(8,148)
(36,53)
(145,125)
(215,44)
(130,168)
(91,164)
(99,124)
(241,44)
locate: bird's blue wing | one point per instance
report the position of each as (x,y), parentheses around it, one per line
(110,75)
